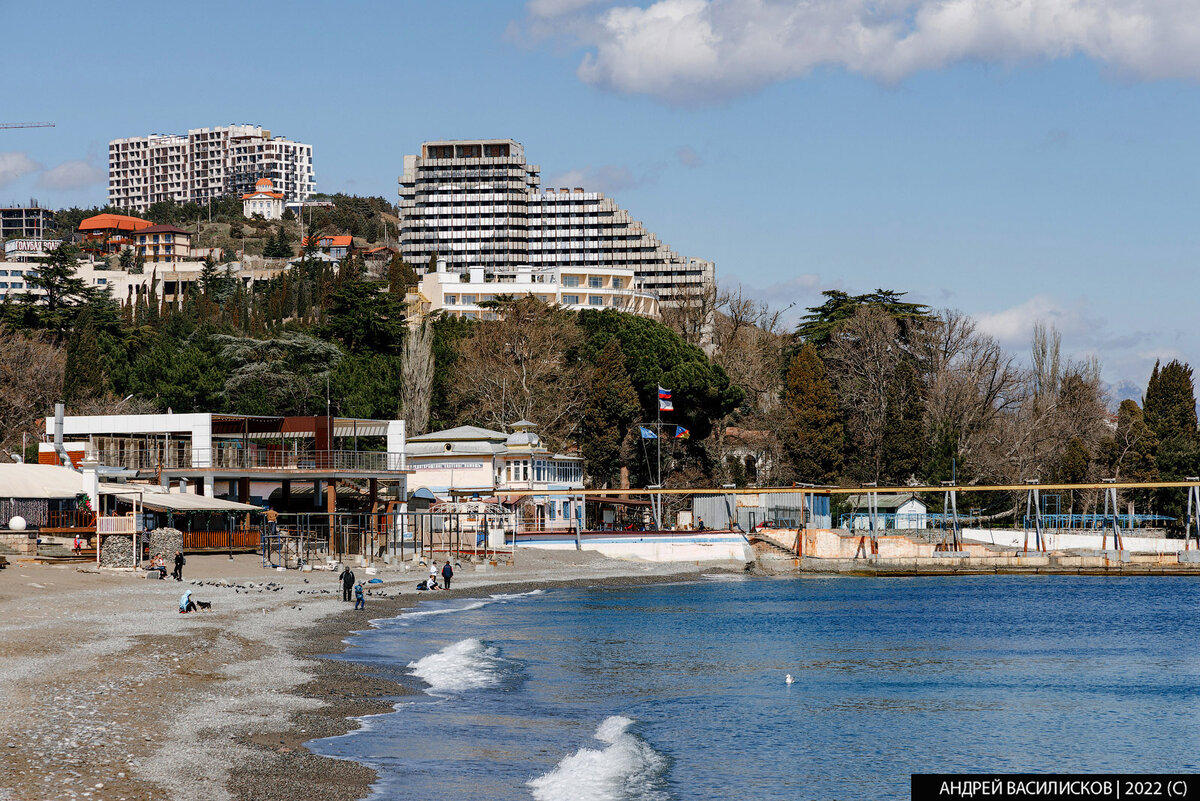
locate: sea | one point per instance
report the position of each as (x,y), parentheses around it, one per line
(680,691)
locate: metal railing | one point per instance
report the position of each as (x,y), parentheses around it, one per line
(237,458)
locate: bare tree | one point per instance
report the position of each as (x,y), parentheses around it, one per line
(31,369)
(863,357)
(520,367)
(416,389)
(691,316)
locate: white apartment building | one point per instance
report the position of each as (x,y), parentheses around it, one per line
(205,163)
(577,288)
(477,203)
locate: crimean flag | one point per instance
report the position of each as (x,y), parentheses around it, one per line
(647,433)
(682,433)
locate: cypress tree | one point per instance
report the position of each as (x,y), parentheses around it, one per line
(812,431)
(84,376)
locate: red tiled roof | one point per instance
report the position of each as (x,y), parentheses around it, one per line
(331,241)
(262,194)
(105,222)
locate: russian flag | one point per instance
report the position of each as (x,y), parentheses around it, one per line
(664,394)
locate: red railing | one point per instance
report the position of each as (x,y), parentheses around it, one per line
(244,539)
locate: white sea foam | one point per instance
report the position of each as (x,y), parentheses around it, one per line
(465,665)
(628,769)
(407,617)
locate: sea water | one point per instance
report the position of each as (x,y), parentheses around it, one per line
(679,692)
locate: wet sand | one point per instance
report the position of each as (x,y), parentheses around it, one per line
(109,693)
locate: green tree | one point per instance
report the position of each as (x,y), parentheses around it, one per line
(812,431)
(84,376)
(1170,412)
(62,292)
(610,407)
(818,325)
(363,318)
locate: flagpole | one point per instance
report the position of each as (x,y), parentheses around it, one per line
(658,449)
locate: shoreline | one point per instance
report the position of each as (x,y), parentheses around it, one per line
(110,693)
(349,690)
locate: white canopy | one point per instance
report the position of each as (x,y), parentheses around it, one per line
(153,497)
(39,481)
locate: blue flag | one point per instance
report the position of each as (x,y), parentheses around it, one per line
(647,433)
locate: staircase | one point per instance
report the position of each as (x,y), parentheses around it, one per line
(766,544)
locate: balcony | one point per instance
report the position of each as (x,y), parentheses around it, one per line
(182,457)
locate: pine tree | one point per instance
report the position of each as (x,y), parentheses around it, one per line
(812,431)
(610,409)
(1170,404)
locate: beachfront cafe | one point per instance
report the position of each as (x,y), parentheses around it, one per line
(251,460)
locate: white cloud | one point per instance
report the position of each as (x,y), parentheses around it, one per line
(607,178)
(1014,326)
(72,175)
(14,166)
(701,50)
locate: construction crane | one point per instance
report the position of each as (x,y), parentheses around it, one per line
(26,125)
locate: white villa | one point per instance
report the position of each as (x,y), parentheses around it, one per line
(469,461)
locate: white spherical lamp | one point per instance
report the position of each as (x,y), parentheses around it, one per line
(16,523)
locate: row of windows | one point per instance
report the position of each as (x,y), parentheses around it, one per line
(544,470)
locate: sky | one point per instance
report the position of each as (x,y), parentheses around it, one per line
(1016,160)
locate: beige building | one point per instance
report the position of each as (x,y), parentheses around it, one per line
(468,295)
(162,244)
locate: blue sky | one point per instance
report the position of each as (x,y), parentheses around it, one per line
(1015,166)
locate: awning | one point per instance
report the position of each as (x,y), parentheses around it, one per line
(39,481)
(155,498)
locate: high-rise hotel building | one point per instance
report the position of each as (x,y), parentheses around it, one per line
(205,163)
(477,203)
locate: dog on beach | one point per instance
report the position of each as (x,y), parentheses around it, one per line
(204,605)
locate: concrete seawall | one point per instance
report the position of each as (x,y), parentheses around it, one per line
(834,551)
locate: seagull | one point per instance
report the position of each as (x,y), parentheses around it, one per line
(788,678)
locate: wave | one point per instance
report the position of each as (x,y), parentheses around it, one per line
(500,597)
(466,665)
(628,769)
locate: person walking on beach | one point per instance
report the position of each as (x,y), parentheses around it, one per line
(177,573)
(347,578)
(360,602)
(447,572)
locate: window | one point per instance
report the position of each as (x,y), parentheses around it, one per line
(616,282)
(3,285)
(595,282)
(451,300)
(3,272)
(570,280)
(595,300)
(525,470)
(571,300)
(468,300)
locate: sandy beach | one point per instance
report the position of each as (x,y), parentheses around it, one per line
(110,693)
